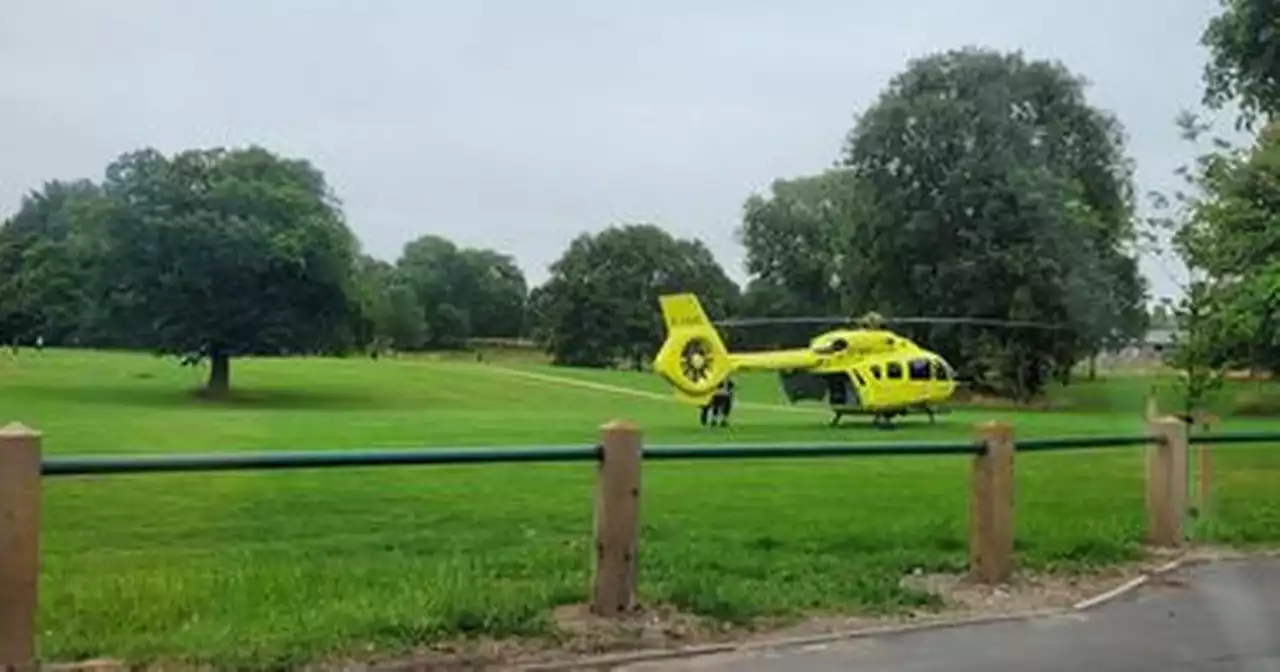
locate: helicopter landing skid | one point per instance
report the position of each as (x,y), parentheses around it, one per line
(879,420)
(885,420)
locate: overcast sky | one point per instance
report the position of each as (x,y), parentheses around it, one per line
(519,124)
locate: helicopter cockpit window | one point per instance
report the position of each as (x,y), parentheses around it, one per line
(940,370)
(837,345)
(919,369)
(893,370)
(876,372)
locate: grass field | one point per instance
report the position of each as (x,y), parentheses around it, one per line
(281,567)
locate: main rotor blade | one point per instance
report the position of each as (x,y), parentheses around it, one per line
(753,321)
(979,321)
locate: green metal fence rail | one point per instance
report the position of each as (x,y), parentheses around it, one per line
(807,450)
(618,458)
(1235,437)
(1085,442)
(131,464)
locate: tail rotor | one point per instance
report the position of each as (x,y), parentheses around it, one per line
(693,359)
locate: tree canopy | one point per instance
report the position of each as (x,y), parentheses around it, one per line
(382,321)
(600,305)
(995,190)
(464,292)
(1231,240)
(44,252)
(798,241)
(1243,40)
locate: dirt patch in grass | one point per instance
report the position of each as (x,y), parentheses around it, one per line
(662,627)
(659,626)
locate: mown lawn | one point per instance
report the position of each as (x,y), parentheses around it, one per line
(281,567)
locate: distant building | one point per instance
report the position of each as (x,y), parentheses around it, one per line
(1159,339)
(1153,346)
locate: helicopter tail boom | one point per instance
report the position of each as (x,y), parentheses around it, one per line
(775,360)
(693,359)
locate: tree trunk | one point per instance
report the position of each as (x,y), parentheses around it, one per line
(1093,366)
(219,374)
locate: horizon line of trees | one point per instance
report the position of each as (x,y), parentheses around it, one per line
(978,183)
(89,264)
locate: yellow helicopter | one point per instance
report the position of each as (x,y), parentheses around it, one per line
(858,371)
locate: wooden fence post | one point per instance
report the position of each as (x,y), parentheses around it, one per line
(1166,482)
(991,505)
(617,524)
(19,545)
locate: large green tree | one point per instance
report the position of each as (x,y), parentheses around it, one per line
(600,305)
(1243,40)
(372,281)
(46,253)
(498,292)
(994,189)
(406,328)
(390,314)
(798,239)
(463,292)
(218,253)
(1226,220)
(1231,238)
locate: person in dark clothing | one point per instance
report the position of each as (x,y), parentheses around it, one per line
(726,402)
(721,405)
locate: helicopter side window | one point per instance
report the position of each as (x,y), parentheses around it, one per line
(893,370)
(876,372)
(940,370)
(918,369)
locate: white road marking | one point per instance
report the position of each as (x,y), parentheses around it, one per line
(618,389)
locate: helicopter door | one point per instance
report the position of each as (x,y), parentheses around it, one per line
(855,397)
(841,390)
(798,385)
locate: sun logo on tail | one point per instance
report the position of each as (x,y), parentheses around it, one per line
(696,360)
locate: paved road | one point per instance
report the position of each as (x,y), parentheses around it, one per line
(1219,617)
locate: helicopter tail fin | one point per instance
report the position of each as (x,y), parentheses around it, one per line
(693,359)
